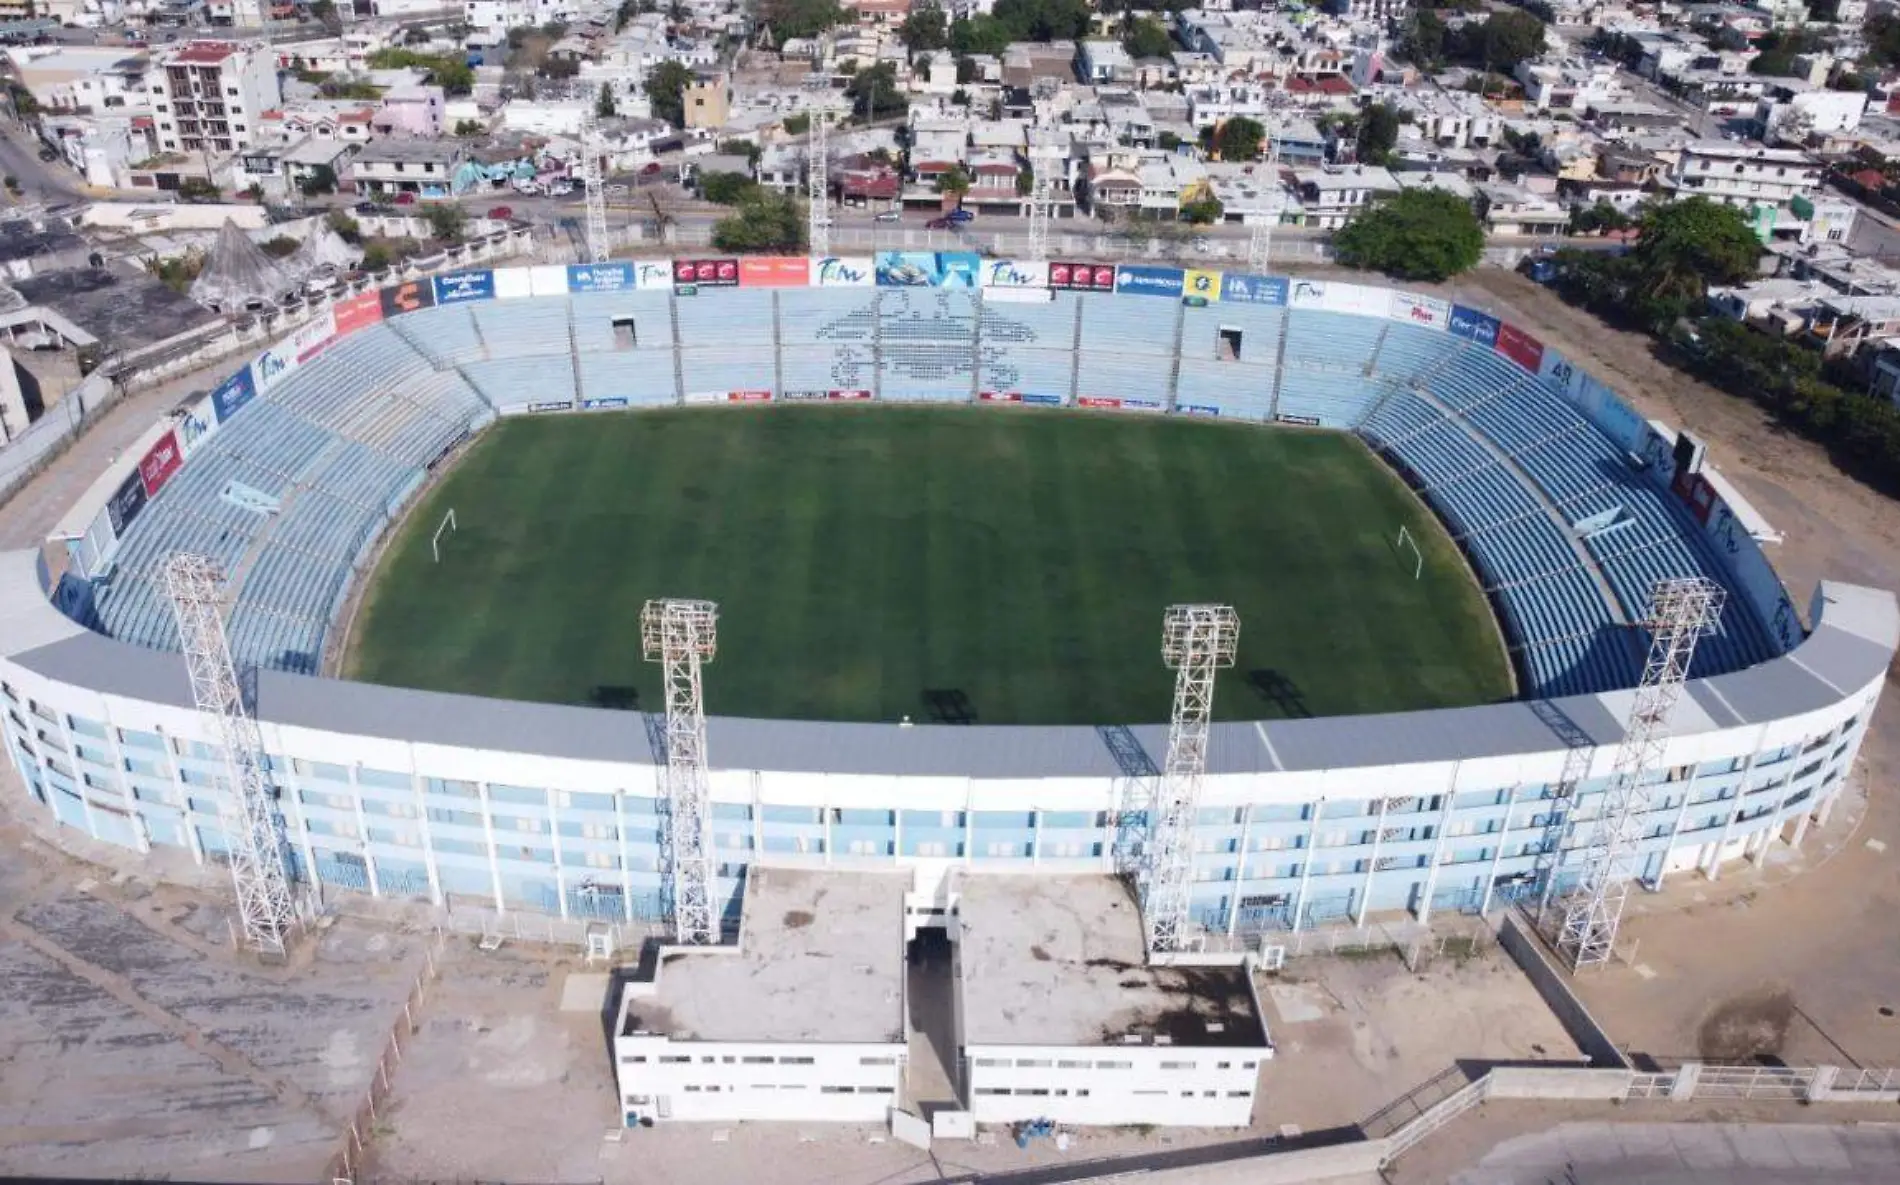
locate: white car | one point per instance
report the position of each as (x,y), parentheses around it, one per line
(616,190)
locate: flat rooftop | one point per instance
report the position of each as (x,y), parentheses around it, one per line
(1059,960)
(820,958)
(122,307)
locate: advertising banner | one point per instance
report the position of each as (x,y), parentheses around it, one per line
(1246,289)
(512,282)
(313,335)
(1200,287)
(1015,273)
(1303,421)
(1097,401)
(653,275)
(461,287)
(843,271)
(232,394)
(197,424)
(847,394)
(1138,280)
(775,271)
(552,405)
(609,401)
(705,273)
(357,312)
(1082,277)
(160,461)
(1427,312)
(1356,299)
(407,297)
(1000,396)
(549,279)
(1141,404)
(1307,294)
(705,397)
(1470,323)
(1521,348)
(748,396)
(600,277)
(928,269)
(1198,409)
(1043,400)
(126,503)
(275,364)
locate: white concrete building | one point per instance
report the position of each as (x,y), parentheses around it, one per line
(84,78)
(802,1020)
(1332,196)
(1746,175)
(1790,114)
(1063,1018)
(211,96)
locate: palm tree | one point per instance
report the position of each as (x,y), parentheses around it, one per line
(954,183)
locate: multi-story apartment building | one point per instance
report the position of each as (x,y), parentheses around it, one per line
(211,96)
(1745,175)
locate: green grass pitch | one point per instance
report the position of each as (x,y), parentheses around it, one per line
(1002,566)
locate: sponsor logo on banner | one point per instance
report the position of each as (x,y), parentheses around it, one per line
(232,394)
(775,271)
(313,335)
(196,424)
(249,498)
(1097,401)
(847,394)
(705,397)
(1199,287)
(805,396)
(1414,309)
(1470,323)
(599,277)
(1000,396)
(1044,400)
(126,503)
(1304,421)
(1011,273)
(928,269)
(1082,277)
(1247,289)
(552,405)
(1149,281)
(836,271)
(650,274)
(1306,294)
(270,368)
(1199,409)
(706,273)
(748,396)
(408,297)
(1142,404)
(1520,347)
(159,463)
(458,287)
(358,312)
(609,401)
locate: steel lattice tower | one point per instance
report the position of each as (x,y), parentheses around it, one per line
(594,185)
(1197,641)
(1260,242)
(681,636)
(250,820)
(818,186)
(1681,612)
(1040,204)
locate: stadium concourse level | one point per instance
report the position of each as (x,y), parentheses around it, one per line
(1567,504)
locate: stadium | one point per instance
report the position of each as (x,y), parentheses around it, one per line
(1540,511)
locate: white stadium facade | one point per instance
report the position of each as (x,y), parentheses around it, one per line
(1568,505)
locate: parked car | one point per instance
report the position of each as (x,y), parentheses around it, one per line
(941,224)
(890,216)
(651,170)
(961,215)
(502,213)
(49,154)
(615,190)
(372,207)
(405,199)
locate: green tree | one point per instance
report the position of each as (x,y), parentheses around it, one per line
(451,74)
(1685,246)
(1145,37)
(875,94)
(318,181)
(726,189)
(197,189)
(1778,50)
(1240,138)
(1044,20)
(955,182)
(446,221)
(1418,234)
(1203,211)
(1600,218)
(764,222)
(1424,43)
(469,127)
(604,106)
(278,247)
(1504,39)
(1025,180)
(1378,134)
(666,90)
(926,29)
(799,18)
(797,125)
(376,257)
(1883,38)
(978,35)
(346,227)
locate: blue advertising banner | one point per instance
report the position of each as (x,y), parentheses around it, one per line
(607,401)
(929,269)
(1150,281)
(232,394)
(1479,327)
(1198,409)
(600,277)
(1253,289)
(457,287)
(1043,400)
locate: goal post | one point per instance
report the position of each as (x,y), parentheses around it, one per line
(1404,542)
(448,524)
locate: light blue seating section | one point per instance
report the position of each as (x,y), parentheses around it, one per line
(641,377)
(828,315)
(1236,390)
(1260,328)
(1336,398)
(445,331)
(1025,370)
(840,367)
(594,314)
(727,369)
(1129,325)
(523,328)
(1104,374)
(926,346)
(1410,351)
(524,380)
(733,319)
(1331,340)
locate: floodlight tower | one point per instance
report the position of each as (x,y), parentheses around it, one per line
(1197,641)
(594,186)
(252,827)
(1260,243)
(680,635)
(818,186)
(1040,208)
(1681,612)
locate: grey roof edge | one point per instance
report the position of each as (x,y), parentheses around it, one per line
(1857,630)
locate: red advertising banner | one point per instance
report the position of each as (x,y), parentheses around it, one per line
(358,312)
(748,396)
(847,394)
(775,271)
(1097,401)
(159,463)
(1000,396)
(706,273)
(1520,347)
(1085,277)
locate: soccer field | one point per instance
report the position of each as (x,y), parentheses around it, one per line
(1001,566)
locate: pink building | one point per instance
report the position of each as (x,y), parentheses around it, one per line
(410,111)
